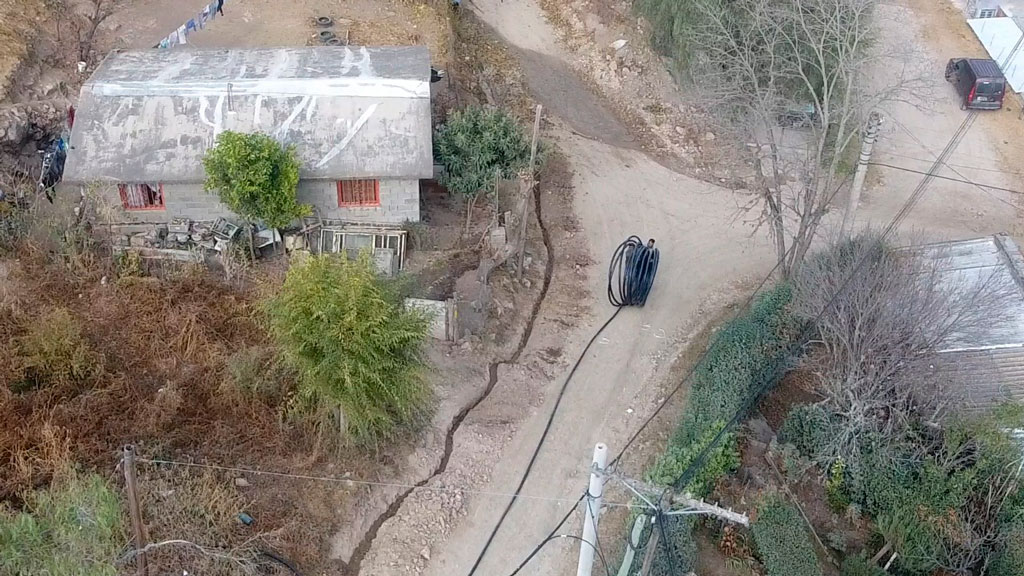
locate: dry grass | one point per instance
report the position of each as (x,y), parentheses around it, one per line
(200,507)
(485,69)
(19,23)
(429,24)
(163,344)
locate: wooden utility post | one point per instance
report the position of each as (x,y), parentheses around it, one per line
(526,196)
(141,568)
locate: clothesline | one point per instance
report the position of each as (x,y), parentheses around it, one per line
(205,16)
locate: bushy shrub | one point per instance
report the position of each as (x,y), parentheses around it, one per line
(259,373)
(741,357)
(680,453)
(355,348)
(926,492)
(475,142)
(74,527)
(256,177)
(54,351)
(1009,561)
(807,426)
(782,541)
(835,487)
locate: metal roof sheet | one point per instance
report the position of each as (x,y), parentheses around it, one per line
(352,112)
(989,366)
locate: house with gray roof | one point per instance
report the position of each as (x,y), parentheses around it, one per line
(359,117)
(988,365)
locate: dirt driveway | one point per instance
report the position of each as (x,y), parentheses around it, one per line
(618,191)
(912,137)
(706,252)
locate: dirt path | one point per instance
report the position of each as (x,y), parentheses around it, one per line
(618,191)
(912,136)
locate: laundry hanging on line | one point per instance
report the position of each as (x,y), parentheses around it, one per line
(199,22)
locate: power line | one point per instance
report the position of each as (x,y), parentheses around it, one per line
(953,170)
(540,443)
(661,406)
(257,472)
(693,368)
(950,178)
(551,536)
(631,274)
(950,164)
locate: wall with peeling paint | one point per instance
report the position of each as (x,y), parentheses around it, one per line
(399,202)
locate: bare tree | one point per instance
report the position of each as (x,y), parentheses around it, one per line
(887,313)
(59,11)
(767,65)
(95,13)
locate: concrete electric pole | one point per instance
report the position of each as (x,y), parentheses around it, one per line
(653,497)
(867,143)
(592,511)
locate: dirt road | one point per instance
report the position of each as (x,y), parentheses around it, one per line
(912,137)
(618,191)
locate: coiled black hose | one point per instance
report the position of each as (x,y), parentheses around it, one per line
(631,272)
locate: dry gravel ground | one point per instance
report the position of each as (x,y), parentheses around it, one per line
(706,252)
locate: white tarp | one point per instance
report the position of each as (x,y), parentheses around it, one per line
(1001,39)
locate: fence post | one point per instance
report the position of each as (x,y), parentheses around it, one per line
(526,199)
(139,530)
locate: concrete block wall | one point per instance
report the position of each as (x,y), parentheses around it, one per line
(399,202)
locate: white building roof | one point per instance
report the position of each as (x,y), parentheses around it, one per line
(1001,39)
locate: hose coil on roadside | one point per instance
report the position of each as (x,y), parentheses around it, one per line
(631,272)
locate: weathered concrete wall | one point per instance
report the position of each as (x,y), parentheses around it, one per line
(399,201)
(436,311)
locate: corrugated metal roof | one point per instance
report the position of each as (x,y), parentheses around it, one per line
(999,36)
(988,365)
(352,112)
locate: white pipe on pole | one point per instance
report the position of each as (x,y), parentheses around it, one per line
(592,511)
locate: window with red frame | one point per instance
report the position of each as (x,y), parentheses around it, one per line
(141,196)
(358,193)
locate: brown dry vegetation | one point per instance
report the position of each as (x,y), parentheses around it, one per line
(159,347)
(156,351)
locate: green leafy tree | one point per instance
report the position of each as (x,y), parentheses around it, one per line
(475,144)
(256,177)
(356,349)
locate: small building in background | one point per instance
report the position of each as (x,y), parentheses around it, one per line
(990,8)
(359,117)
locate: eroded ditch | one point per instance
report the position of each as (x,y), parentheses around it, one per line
(355,561)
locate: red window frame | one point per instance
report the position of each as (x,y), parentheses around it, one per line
(135,197)
(358,193)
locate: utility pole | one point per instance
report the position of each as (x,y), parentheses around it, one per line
(661,505)
(592,511)
(139,530)
(867,143)
(526,195)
